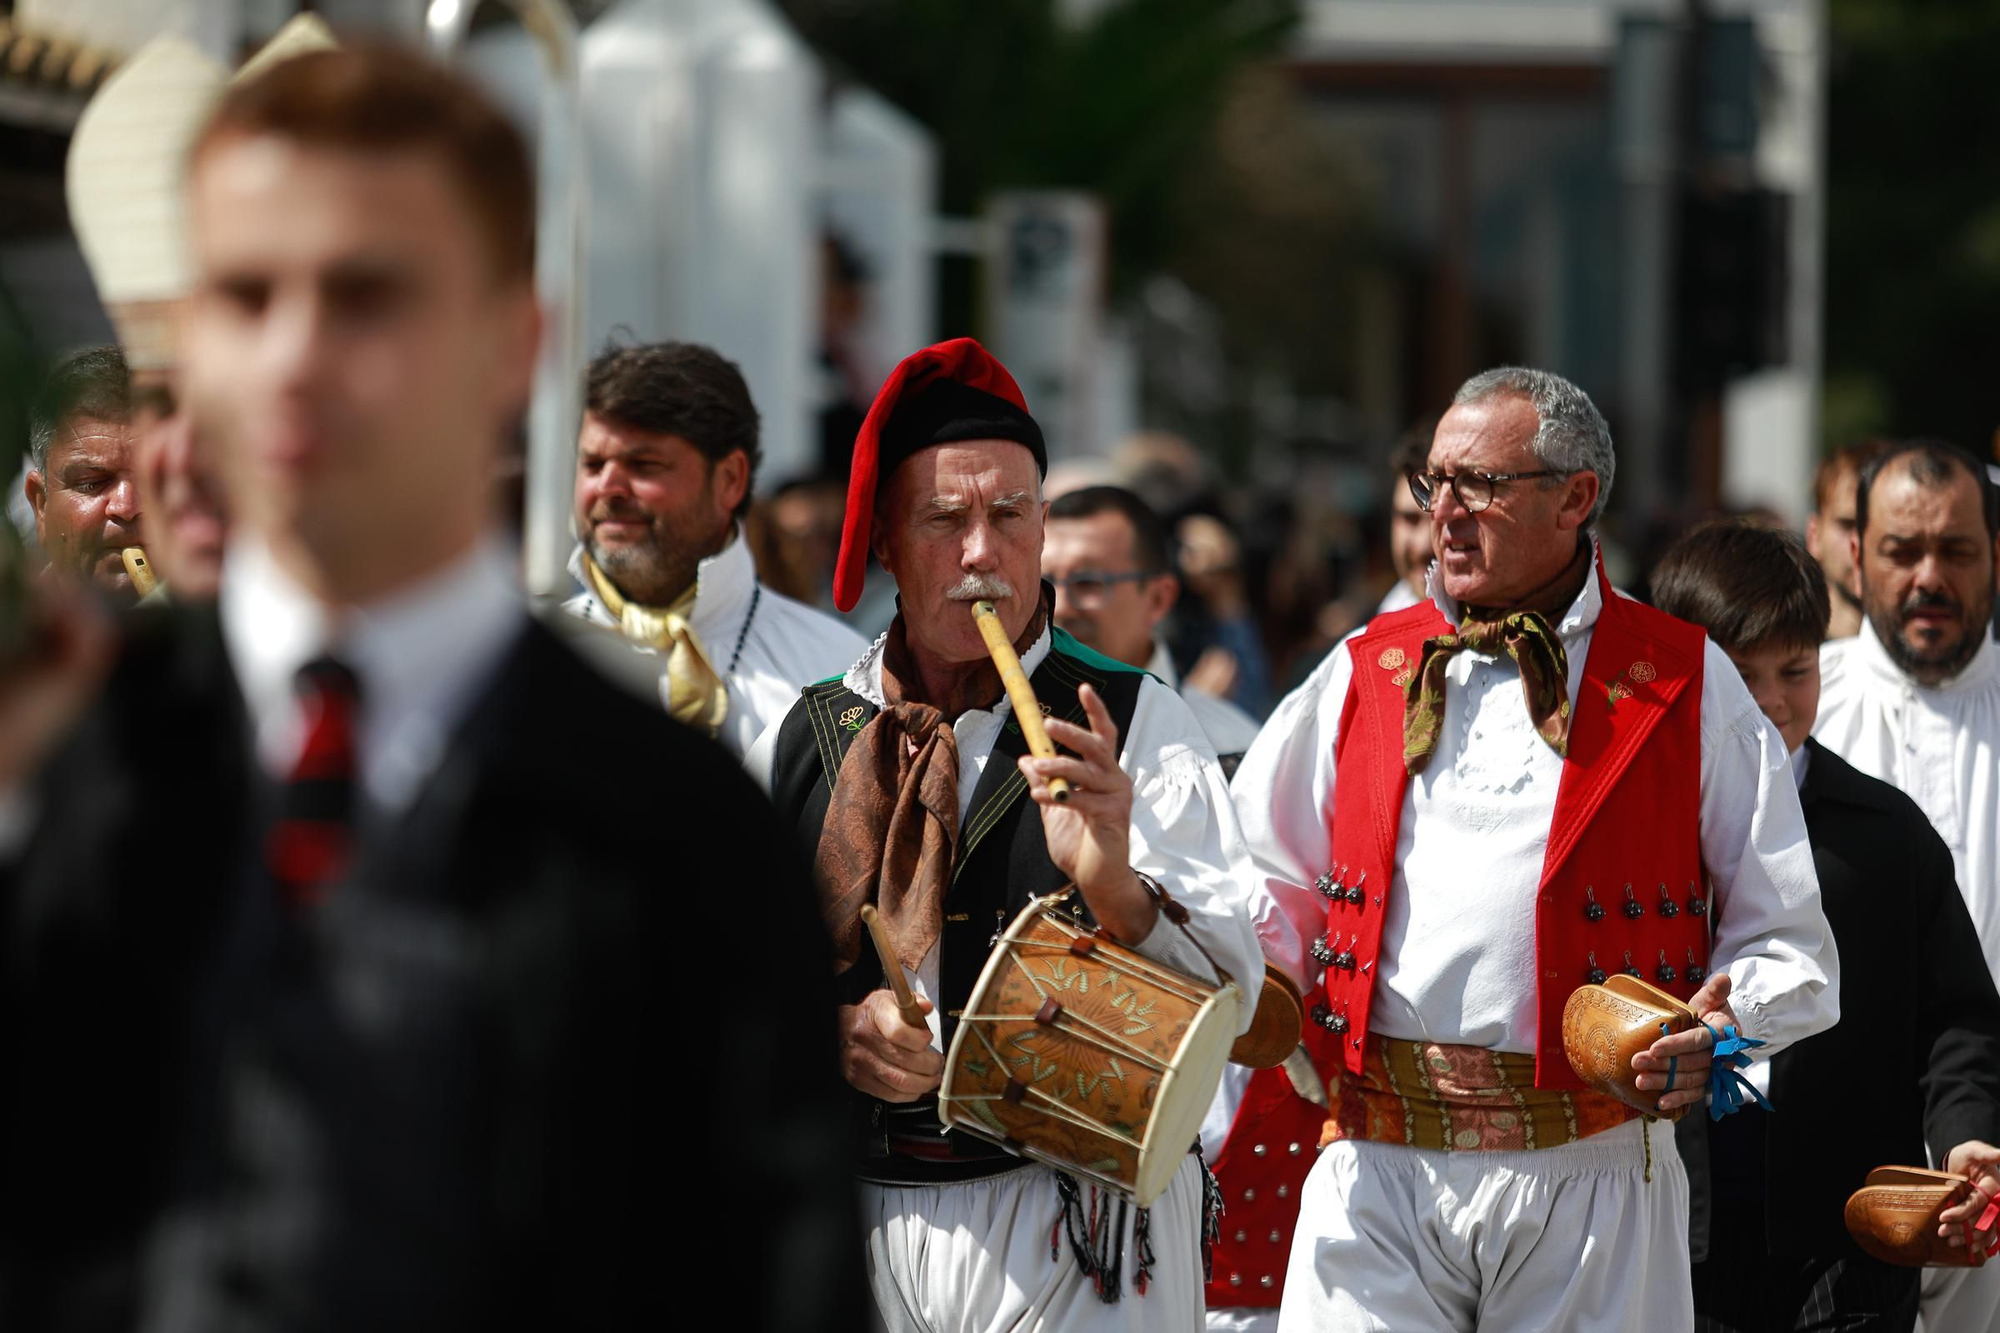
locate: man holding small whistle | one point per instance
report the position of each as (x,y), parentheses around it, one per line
(906,778)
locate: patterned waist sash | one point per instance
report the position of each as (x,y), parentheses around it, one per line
(1460,1098)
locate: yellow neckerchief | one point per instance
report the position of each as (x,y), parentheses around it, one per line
(696,694)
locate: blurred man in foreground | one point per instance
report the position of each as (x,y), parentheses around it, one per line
(1107,554)
(327,983)
(186,535)
(663,475)
(1830,531)
(80,480)
(1769,1187)
(1914,699)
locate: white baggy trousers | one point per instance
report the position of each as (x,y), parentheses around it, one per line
(1572,1238)
(974,1258)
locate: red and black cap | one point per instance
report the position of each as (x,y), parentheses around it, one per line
(945,394)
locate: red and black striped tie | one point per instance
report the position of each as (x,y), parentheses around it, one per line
(313,838)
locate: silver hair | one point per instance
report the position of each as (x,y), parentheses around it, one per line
(1571,435)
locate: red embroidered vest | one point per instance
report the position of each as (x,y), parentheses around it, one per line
(1622,887)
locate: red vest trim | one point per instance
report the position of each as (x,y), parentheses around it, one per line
(1627,813)
(1261,1169)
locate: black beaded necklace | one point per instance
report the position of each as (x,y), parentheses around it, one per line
(756,595)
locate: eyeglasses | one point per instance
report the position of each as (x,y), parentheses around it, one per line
(1473,489)
(1090,585)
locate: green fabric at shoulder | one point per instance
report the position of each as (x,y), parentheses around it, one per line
(1067,644)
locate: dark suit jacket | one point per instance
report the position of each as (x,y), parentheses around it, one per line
(556,1053)
(1915,1058)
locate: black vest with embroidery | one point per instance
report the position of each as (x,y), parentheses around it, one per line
(1002,862)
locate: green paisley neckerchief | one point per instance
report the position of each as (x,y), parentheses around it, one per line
(1525,636)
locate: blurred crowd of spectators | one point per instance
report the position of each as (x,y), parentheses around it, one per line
(1272,580)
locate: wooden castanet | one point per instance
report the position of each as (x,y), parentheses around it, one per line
(1275,1027)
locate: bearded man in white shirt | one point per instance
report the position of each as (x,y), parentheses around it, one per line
(1478,804)
(1914,699)
(909,786)
(664,467)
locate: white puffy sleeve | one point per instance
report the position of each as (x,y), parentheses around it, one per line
(1770,935)
(1185,835)
(1284,797)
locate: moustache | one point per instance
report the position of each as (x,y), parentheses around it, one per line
(1930,601)
(979,588)
(617,513)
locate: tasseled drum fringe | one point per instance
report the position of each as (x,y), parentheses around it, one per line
(1097,1238)
(1096,1234)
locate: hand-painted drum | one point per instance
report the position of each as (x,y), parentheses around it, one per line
(1079,1052)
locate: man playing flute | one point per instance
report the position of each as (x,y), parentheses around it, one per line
(911,786)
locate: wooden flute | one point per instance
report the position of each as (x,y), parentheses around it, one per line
(1027,708)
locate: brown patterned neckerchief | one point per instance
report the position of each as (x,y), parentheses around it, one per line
(891,829)
(1523,634)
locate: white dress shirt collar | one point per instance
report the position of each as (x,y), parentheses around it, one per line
(1980,673)
(1801,761)
(420,656)
(1578,620)
(723,583)
(865,676)
(1400,595)
(1161,664)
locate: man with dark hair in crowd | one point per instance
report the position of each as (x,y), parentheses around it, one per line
(1409,525)
(1830,529)
(80,480)
(664,468)
(1770,1246)
(331,996)
(1914,699)
(1110,559)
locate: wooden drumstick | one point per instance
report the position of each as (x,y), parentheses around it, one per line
(1027,708)
(906,1003)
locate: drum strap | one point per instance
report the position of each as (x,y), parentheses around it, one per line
(1178,915)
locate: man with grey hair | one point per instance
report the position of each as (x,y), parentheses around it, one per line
(1474,806)
(80,479)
